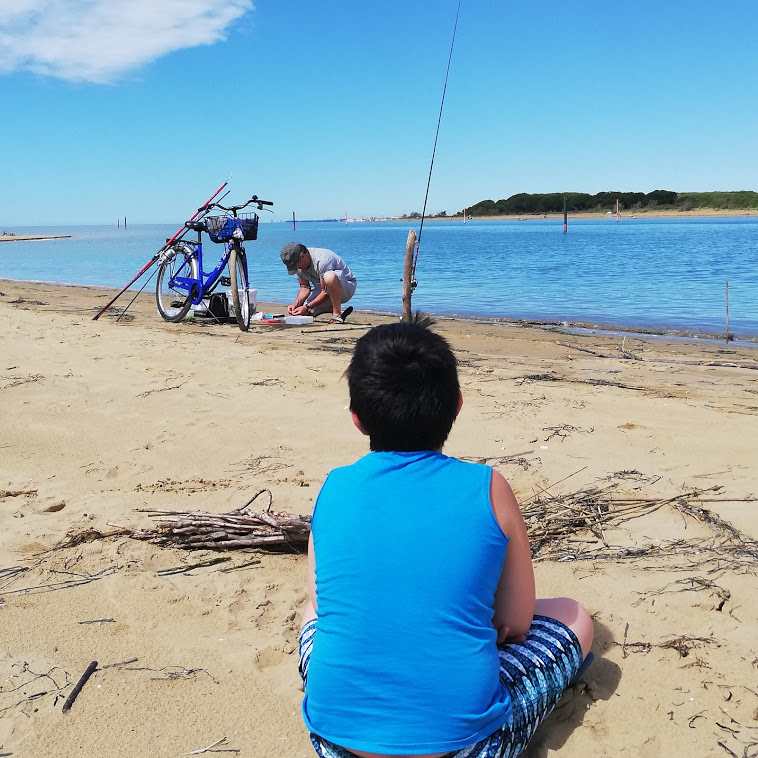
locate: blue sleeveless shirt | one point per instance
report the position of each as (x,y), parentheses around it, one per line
(408,556)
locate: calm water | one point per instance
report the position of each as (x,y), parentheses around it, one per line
(657,274)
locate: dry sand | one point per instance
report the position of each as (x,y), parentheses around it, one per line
(99,419)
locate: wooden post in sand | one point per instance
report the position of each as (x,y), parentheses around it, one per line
(727,313)
(408,275)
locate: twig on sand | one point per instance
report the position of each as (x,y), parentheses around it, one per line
(212,745)
(172,673)
(9,574)
(78,687)
(189,567)
(26,684)
(162,389)
(120,663)
(97,621)
(563,431)
(682,644)
(63,585)
(89,535)
(592,382)
(241,566)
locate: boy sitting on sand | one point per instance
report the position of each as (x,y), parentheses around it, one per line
(422,636)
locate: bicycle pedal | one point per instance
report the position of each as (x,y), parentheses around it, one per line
(226,281)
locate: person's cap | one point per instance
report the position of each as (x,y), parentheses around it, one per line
(291,253)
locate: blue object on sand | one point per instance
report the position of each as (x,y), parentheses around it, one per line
(585,665)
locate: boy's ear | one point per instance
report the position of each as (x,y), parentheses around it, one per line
(460,403)
(358,424)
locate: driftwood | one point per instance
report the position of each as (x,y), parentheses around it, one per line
(78,688)
(238,529)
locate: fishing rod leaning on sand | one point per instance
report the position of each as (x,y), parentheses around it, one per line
(203,210)
(411,259)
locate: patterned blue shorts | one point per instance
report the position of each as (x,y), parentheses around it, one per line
(535,672)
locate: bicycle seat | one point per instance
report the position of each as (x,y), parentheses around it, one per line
(196,226)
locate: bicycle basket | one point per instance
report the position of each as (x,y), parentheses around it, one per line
(221,228)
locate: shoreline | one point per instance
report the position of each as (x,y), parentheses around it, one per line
(626,215)
(591,327)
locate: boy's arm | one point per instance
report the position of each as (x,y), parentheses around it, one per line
(514,597)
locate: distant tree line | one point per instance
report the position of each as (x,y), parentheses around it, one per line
(524,203)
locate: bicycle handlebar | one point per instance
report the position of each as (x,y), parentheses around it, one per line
(254,200)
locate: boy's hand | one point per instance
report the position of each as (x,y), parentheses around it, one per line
(503,638)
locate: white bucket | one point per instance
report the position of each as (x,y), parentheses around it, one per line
(252,298)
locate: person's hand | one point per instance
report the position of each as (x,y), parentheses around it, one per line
(301,311)
(503,638)
(291,309)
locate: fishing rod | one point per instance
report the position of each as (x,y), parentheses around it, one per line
(205,210)
(434,151)
(180,233)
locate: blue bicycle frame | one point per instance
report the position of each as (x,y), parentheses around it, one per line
(198,288)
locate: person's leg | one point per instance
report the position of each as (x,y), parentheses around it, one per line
(334,291)
(323,748)
(570,613)
(305,643)
(536,672)
(323,307)
(347,288)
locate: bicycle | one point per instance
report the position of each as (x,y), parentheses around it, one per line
(182,281)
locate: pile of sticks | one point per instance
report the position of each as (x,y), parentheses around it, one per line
(555,521)
(238,529)
(552,518)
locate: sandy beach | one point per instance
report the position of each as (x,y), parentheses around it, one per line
(101,419)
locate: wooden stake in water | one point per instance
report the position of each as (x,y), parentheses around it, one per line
(408,276)
(293,221)
(464,215)
(727,313)
(565,216)
(617,210)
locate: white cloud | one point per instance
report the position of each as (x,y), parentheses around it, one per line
(100,40)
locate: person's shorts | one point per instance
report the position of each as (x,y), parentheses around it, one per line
(535,672)
(347,288)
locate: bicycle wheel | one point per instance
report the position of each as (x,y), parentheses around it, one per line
(173,298)
(240,298)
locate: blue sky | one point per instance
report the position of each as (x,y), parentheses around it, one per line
(143,107)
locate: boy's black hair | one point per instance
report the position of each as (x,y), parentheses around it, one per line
(403,381)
